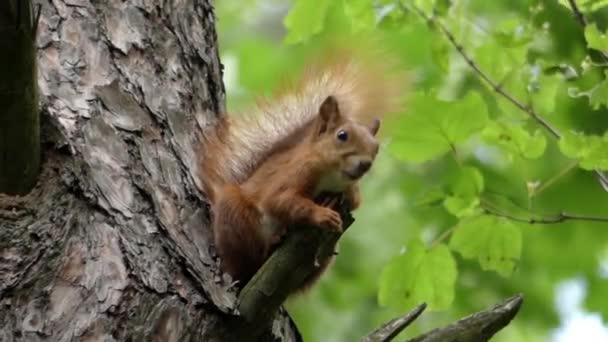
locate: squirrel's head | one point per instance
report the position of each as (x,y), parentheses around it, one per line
(350,146)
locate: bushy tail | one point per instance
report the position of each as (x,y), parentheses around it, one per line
(367,87)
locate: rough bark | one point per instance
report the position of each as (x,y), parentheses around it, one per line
(19,119)
(389,330)
(285,271)
(113,243)
(478,327)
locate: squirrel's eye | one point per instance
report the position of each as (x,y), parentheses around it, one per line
(342,135)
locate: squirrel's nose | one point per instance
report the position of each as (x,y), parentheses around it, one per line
(363,166)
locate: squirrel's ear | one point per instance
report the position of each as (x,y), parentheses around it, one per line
(375,127)
(328,113)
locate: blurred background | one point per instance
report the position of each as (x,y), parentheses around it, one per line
(460,202)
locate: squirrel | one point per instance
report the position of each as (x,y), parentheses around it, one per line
(263,171)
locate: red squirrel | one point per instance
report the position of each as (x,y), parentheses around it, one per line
(262,171)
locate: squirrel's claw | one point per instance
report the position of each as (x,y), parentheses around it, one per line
(327,218)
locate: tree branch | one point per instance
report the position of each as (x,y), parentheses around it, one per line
(19,120)
(561,217)
(389,330)
(480,326)
(577,13)
(285,270)
(580,17)
(496,86)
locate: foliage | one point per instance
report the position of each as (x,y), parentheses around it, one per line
(467,166)
(405,279)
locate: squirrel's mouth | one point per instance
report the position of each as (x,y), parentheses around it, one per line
(353,175)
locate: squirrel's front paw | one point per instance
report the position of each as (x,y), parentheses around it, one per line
(327,218)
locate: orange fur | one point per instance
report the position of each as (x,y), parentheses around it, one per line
(263,170)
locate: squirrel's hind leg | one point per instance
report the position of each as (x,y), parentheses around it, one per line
(242,248)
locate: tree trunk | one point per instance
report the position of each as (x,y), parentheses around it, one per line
(19,118)
(113,243)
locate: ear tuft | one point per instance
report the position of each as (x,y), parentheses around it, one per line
(375,127)
(328,113)
(329,108)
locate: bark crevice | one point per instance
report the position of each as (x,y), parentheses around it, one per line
(113,243)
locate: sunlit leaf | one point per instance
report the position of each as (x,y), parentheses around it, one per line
(305,19)
(495,242)
(598,95)
(433,127)
(418,276)
(464,191)
(596,39)
(361,14)
(590,150)
(434,196)
(515,139)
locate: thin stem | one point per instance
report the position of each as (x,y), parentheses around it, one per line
(555,178)
(443,236)
(580,17)
(577,13)
(559,218)
(495,86)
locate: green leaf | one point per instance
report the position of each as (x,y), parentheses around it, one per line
(598,94)
(511,33)
(590,150)
(596,39)
(361,14)
(494,241)
(433,126)
(418,276)
(465,189)
(432,197)
(305,19)
(543,87)
(442,7)
(461,206)
(515,139)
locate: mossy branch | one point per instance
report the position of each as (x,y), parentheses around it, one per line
(285,270)
(389,330)
(477,327)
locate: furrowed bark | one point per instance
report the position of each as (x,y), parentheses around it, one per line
(19,117)
(113,243)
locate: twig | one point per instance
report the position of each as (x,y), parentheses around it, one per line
(559,218)
(577,13)
(580,17)
(443,236)
(480,326)
(495,86)
(389,330)
(545,185)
